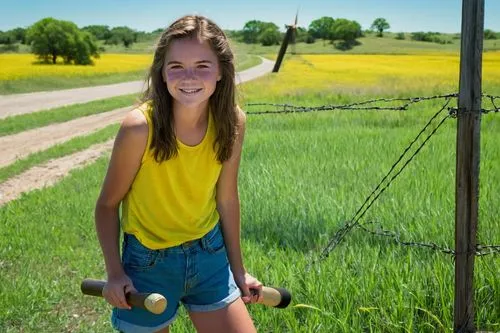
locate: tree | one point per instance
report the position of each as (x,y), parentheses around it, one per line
(123,35)
(303,36)
(346,31)
(380,24)
(50,38)
(251,31)
(489,34)
(400,36)
(266,33)
(13,36)
(322,27)
(7,37)
(100,32)
(270,36)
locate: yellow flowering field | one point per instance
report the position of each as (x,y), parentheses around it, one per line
(375,73)
(24,66)
(351,73)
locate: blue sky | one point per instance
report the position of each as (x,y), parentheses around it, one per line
(148,15)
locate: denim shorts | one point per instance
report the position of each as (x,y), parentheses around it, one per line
(195,273)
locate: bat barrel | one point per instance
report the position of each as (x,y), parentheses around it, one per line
(276,297)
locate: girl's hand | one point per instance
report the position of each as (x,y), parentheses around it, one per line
(250,287)
(115,289)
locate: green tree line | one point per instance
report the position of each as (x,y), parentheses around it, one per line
(51,39)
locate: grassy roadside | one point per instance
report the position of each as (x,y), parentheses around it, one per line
(23,122)
(47,83)
(72,146)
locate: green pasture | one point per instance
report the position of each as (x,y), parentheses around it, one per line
(369,44)
(302,177)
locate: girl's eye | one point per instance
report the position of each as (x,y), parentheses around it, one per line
(176,67)
(203,66)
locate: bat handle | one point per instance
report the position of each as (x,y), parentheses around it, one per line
(92,287)
(154,303)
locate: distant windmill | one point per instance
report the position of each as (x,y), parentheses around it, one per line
(290,36)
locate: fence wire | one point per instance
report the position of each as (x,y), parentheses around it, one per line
(394,172)
(390,176)
(364,105)
(481,250)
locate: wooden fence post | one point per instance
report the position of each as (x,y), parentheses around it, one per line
(284,45)
(467,167)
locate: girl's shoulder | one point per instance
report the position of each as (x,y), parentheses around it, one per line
(136,121)
(241,115)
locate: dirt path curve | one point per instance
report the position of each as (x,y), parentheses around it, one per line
(25,103)
(22,144)
(50,172)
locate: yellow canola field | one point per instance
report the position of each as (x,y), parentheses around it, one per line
(24,66)
(303,73)
(378,73)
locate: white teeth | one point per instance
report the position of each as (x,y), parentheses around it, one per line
(190,91)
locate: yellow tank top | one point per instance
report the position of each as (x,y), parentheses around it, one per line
(173,202)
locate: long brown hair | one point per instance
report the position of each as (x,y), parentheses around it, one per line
(222,103)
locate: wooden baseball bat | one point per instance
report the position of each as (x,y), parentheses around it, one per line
(151,302)
(156,303)
(275,297)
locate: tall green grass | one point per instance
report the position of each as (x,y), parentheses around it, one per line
(302,176)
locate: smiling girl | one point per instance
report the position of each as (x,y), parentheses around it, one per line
(174,170)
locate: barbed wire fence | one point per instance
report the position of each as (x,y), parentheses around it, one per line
(413,149)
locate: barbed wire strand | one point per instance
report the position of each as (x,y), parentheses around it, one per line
(369,201)
(290,108)
(403,155)
(481,250)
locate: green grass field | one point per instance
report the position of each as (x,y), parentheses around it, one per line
(302,176)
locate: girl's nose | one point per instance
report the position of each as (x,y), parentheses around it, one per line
(189,73)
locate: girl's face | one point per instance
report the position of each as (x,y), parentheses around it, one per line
(191,71)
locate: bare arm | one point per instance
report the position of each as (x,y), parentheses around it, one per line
(128,149)
(228,206)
